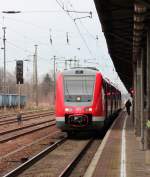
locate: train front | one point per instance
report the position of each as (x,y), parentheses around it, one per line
(79,100)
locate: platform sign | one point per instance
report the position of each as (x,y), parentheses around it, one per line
(19,71)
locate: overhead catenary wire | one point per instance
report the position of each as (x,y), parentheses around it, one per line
(67,11)
(40,11)
(95,38)
(39,28)
(60,4)
(28,38)
(32,40)
(91,35)
(72,11)
(18,47)
(83,39)
(35,41)
(25,50)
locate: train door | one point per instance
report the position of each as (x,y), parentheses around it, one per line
(105,98)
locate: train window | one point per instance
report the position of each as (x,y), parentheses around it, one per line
(79,86)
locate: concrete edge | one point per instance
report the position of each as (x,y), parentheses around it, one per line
(91,168)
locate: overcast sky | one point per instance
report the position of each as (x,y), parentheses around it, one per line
(40,19)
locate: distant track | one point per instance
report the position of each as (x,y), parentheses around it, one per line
(15,133)
(25,118)
(24,113)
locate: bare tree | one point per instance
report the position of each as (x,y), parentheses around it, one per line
(11,83)
(46,89)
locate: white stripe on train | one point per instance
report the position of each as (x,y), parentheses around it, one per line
(94,118)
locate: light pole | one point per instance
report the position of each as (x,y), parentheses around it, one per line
(35,77)
(4,75)
(54,65)
(4,48)
(54,77)
(4,54)
(27,87)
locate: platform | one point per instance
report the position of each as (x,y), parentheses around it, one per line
(120,154)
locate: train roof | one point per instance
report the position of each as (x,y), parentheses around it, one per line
(80,71)
(92,68)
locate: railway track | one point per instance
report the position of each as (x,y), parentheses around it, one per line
(72,165)
(43,141)
(25,118)
(17,132)
(34,159)
(24,113)
(13,158)
(63,160)
(52,161)
(11,115)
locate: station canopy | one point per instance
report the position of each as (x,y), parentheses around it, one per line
(116,17)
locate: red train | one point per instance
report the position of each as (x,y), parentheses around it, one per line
(84,100)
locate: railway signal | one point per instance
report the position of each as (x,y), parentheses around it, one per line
(19,71)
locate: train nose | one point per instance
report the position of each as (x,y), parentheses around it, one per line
(78,120)
(78,109)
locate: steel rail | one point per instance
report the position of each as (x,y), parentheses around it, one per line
(13,114)
(68,170)
(25,127)
(17,171)
(33,143)
(25,133)
(24,119)
(24,113)
(28,116)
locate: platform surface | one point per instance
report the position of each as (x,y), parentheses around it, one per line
(121,155)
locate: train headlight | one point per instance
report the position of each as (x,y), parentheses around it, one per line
(68,109)
(88,109)
(78,98)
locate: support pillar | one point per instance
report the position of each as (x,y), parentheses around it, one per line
(135,95)
(147,154)
(142,100)
(138,98)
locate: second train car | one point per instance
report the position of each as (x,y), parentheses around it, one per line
(84,99)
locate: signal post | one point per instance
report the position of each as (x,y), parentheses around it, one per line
(19,77)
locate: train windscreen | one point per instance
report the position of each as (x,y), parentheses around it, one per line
(79,88)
